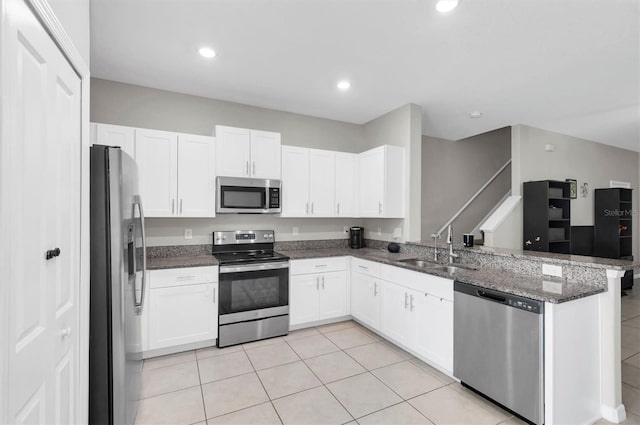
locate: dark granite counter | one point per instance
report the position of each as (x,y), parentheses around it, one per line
(157,263)
(546,289)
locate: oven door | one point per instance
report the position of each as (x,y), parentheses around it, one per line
(253,291)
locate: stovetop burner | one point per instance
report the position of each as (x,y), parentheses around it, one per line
(245,246)
(262,255)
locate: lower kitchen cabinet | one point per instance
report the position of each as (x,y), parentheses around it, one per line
(316,295)
(432,333)
(182,307)
(365,299)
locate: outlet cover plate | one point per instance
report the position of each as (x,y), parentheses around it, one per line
(552,270)
(188,233)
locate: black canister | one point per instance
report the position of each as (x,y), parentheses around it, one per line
(356,237)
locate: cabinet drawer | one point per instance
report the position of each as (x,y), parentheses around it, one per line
(318,265)
(422,282)
(366,267)
(182,276)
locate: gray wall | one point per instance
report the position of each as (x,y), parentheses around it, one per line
(583,160)
(400,127)
(74,15)
(453,171)
(136,106)
(125,104)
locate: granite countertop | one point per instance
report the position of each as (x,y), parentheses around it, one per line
(157,263)
(593,262)
(546,289)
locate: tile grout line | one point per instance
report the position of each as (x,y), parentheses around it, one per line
(323,385)
(273,406)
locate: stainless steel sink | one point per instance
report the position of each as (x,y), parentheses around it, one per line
(418,263)
(453,269)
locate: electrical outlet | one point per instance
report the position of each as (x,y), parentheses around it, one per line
(552,270)
(397,233)
(346,229)
(295,231)
(188,234)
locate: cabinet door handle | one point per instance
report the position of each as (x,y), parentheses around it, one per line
(379,207)
(312,208)
(317,283)
(65,332)
(323,283)
(306,208)
(375,289)
(214,295)
(363,267)
(406,300)
(173,206)
(320,265)
(254,168)
(180,205)
(338,209)
(247,168)
(411,302)
(183,278)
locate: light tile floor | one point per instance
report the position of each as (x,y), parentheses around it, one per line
(334,374)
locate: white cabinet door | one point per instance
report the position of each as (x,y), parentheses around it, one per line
(196,176)
(182,315)
(115,135)
(303,298)
(365,299)
(233,151)
(394,315)
(321,182)
(432,336)
(265,155)
(295,181)
(156,156)
(345,184)
(334,295)
(371,182)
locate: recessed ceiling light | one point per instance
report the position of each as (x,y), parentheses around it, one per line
(344,85)
(207,52)
(475,114)
(444,6)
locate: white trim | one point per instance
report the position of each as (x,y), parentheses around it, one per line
(501,213)
(50,22)
(43,11)
(616,183)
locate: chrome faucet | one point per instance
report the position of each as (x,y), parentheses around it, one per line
(435,237)
(452,255)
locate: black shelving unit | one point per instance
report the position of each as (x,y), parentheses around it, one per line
(547,216)
(613,219)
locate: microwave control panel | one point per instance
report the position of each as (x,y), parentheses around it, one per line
(274,197)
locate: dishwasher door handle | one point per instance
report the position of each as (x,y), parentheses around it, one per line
(492,297)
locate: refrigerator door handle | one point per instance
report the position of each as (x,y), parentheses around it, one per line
(140,305)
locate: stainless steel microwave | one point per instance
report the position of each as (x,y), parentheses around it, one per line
(245,195)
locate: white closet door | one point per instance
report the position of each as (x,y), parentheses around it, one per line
(196,177)
(40,211)
(156,156)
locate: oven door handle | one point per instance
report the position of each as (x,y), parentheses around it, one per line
(254,267)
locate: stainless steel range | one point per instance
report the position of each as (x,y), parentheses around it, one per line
(253,287)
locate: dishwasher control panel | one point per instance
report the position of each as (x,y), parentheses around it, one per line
(532,306)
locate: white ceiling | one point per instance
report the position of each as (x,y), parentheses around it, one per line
(570,66)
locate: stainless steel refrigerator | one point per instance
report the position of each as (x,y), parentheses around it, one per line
(118,274)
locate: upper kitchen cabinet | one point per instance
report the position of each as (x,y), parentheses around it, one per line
(307,182)
(114,135)
(381,182)
(345,183)
(176,173)
(241,152)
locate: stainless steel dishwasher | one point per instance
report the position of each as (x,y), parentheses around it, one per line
(498,348)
